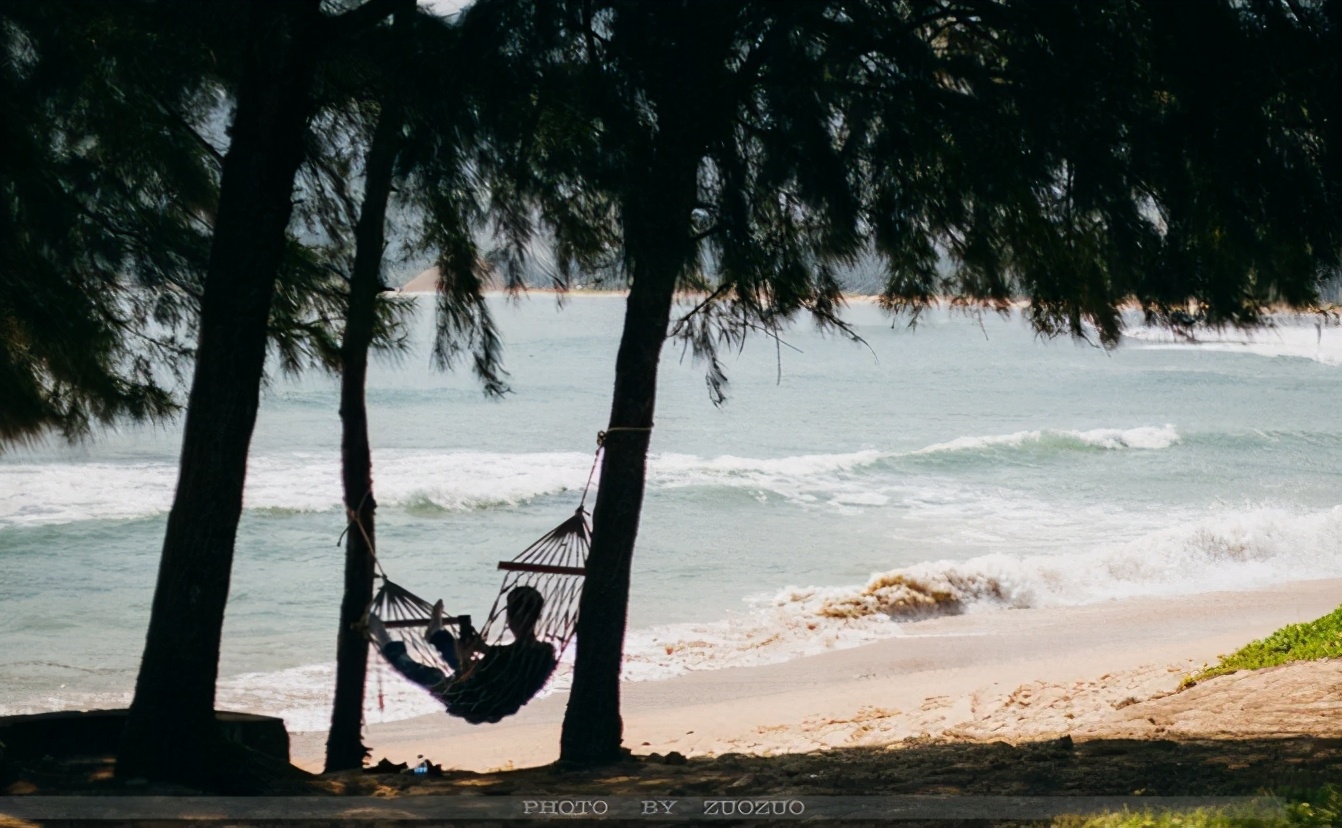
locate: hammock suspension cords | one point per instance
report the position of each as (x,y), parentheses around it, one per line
(485,675)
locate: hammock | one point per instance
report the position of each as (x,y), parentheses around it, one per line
(506,673)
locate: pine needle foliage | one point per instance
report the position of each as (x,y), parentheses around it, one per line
(99,187)
(1077,157)
(1080,156)
(625,100)
(111,139)
(438,210)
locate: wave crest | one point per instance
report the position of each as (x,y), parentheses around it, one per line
(301,482)
(1142,437)
(432,482)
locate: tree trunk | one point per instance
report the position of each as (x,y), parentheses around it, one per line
(171,732)
(656,235)
(344,744)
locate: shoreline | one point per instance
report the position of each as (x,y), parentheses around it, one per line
(1091,671)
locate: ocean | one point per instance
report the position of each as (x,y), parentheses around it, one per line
(844,489)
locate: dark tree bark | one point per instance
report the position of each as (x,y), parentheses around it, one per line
(656,238)
(171,732)
(344,745)
(682,58)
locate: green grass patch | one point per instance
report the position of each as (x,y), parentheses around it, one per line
(1309,641)
(1289,809)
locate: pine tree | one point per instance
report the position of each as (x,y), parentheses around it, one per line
(404,88)
(113,184)
(1076,156)
(171,732)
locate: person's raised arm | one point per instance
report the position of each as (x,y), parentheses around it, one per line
(468,641)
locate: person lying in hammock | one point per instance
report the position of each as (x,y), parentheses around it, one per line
(496,680)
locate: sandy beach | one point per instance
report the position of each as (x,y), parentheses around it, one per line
(1108,670)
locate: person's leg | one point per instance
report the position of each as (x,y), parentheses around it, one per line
(446,646)
(395,654)
(440,638)
(422,674)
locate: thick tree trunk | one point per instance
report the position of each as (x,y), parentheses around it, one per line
(171,732)
(657,229)
(344,744)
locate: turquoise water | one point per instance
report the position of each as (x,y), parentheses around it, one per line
(986,468)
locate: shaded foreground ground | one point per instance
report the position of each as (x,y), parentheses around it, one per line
(1059,767)
(1055,767)
(1147,752)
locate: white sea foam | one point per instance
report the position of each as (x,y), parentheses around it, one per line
(55,493)
(845,481)
(460,481)
(50,493)
(60,700)
(298,482)
(839,481)
(1317,339)
(1143,437)
(690,470)
(1233,550)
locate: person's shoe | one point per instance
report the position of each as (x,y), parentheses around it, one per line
(435,621)
(377,631)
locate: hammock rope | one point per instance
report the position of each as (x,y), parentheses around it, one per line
(495,673)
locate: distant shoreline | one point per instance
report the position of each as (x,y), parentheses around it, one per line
(1328,314)
(1328,309)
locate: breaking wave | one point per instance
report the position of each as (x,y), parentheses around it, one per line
(426,481)
(291,483)
(1145,437)
(1233,550)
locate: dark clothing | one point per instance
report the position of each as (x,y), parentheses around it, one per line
(505,678)
(421,674)
(497,685)
(446,646)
